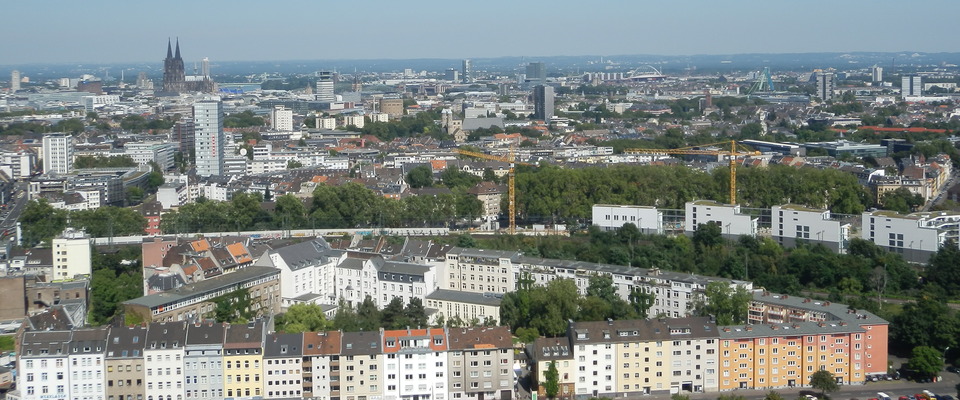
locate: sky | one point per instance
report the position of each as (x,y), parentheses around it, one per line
(107,31)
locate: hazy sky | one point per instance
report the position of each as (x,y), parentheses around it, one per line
(133,31)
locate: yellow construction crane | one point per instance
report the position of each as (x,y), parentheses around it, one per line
(733,153)
(511,190)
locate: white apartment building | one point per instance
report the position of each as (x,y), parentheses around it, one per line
(71,255)
(611,217)
(87,365)
(281,119)
(404,281)
(43,366)
(283,365)
(57,153)
(19,164)
(732,223)
(172,195)
(164,353)
(319,350)
(694,360)
(91,103)
(791,223)
(355,120)
(306,272)
(208,137)
(379,117)
(356,277)
(144,152)
(915,236)
(415,364)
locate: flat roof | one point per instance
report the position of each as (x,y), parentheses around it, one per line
(204,286)
(466,297)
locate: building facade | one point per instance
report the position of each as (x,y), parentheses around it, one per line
(208,137)
(58,149)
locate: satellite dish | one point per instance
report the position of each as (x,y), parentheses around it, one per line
(243,151)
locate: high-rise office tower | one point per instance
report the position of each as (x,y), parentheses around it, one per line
(825,85)
(14,80)
(281,119)
(208,137)
(57,153)
(911,85)
(451,75)
(466,74)
(325,87)
(183,133)
(537,73)
(876,73)
(543,103)
(205,67)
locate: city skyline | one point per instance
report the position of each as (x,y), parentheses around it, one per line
(435,29)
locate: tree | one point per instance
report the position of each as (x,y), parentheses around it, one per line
(134,195)
(294,164)
(773,395)
(726,304)
(641,301)
(41,222)
(926,360)
(708,235)
(302,318)
(419,177)
(824,381)
(527,335)
(551,384)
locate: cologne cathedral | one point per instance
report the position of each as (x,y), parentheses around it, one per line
(175,79)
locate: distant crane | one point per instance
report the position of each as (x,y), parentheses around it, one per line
(764,82)
(733,153)
(511,189)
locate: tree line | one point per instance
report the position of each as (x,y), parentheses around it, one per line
(41,222)
(364,317)
(346,206)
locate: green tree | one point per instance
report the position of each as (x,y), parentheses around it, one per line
(134,195)
(641,301)
(824,381)
(944,269)
(926,360)
(41,222)
(294,164)
(346,318)
(773,395)
(415,313)
(303,318)
(527,335)
(419,177)
(728,305)
(551,384)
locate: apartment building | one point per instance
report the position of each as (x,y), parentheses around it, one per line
(164,353)
(362,367)
(610,217)
(43,365)
(242,359)
(306,269)
(125,363)
(321,364)
(915,236)
(203,361)
(728,217)
(415,362)
(465,306)
(770,308)
(546,351)
(480,363)
(792,223)
(480,271)
(87,364)
(283,365)
(404,281)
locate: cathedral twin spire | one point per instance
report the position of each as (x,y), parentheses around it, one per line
(169,52)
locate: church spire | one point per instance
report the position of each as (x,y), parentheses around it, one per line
(169,50)
(178,49)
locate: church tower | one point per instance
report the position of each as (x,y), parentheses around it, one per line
(174,75)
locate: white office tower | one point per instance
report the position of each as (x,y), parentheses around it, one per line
(325,87)
(281,119)
(205,67)
(877,73)
(14,81)
(466,74)
(57,153)
(208,137)
(911,85)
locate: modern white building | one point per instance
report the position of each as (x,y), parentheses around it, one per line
(281,119)
(164,353)
(145,152)
(611,217)
(71,255)
(208,137)
(404,281)
(911,86)
(18,164)
(355,120)
(172,195)
(915,236)
(325,86)
(825,85)
(91,103)
(57,153)
(732,223)
(792,223)
(415,363)
(14,81)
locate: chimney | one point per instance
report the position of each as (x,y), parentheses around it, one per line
(610,321)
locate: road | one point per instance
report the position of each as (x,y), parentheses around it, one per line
(9,220)
(941,194)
